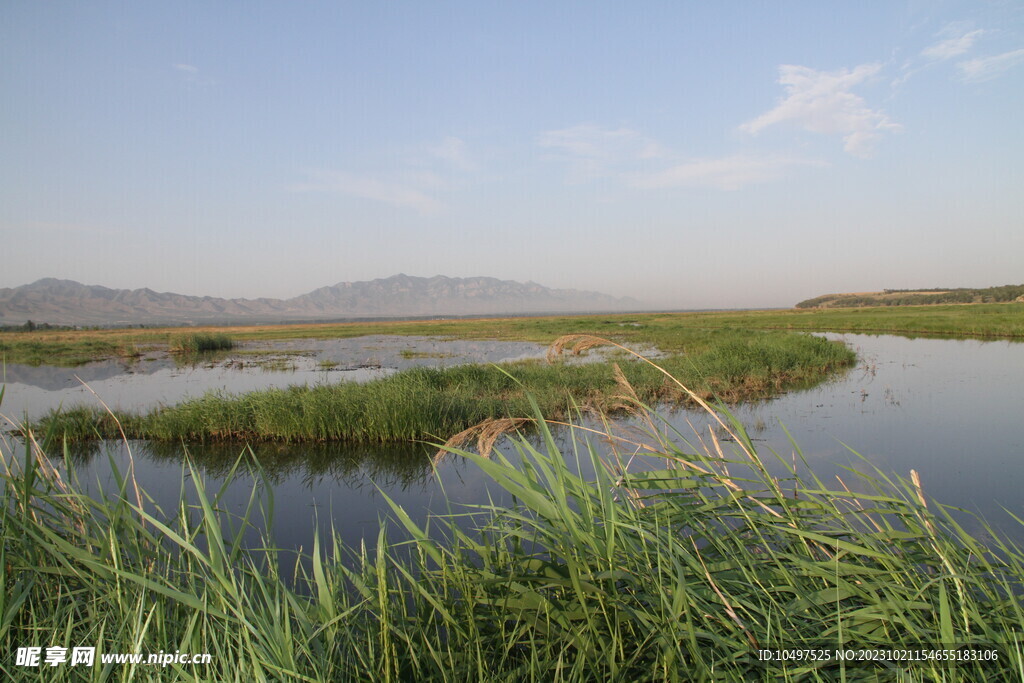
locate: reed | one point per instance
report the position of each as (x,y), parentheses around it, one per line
(200,342)
(601,570)
(433,403)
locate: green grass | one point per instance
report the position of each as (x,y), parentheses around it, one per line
(200,342)
(666,331)
(919,297)
(409,354)
(431,403)
(55,349)
(680,572)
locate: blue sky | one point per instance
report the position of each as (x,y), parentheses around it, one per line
(691,155)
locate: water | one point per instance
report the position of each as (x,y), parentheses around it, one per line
(157,379)
(952,410)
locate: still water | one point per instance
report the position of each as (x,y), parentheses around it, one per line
(951,409)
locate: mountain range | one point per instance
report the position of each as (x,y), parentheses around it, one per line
(66,302)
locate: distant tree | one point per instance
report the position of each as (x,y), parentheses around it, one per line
(30,326)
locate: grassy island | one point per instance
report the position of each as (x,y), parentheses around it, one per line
(433,403)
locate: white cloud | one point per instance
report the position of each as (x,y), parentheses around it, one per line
(822,102)
(594,151)
(453,151)
(726,173)
(389,192)
(415,178)
(589,140)
(987,68)
(952,47)
(640,162)
(187,68)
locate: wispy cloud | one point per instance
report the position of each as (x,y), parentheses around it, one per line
(987,68)
(822,102)
(454,152)
(954,46)
(417,176)
(192,74)
(593,151)
(726,173)
(410,195)
(637,161)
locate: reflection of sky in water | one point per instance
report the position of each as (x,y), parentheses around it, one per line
(148,383)
(949,409)
(156,380)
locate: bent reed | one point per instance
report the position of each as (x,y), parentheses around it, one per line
(683,569)
(433,403)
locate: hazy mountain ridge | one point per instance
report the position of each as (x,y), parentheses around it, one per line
(66,302)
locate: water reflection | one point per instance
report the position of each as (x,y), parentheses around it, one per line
(950,409)
(161,379)
(388,466)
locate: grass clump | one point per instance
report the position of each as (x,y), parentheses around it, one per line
(411,354)
(682,570)
(200,342)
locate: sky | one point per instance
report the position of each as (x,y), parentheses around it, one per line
(687,154)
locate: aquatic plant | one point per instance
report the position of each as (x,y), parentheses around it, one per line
(199,342)
(669,557)
(431,403)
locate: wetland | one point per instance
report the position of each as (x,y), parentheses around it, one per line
(279,537)
(333,421)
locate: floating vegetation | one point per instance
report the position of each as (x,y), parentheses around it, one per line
(410,354)
(277,365)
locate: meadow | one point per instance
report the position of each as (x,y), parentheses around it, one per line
(670,332)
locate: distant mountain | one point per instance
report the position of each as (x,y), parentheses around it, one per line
(66,302)
(917,297)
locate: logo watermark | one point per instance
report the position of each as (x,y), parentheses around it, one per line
(86,656)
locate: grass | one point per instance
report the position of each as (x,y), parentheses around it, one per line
(409,354)
(430,403)
(599,570)
(906,297)
(666,331)
(200,342)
